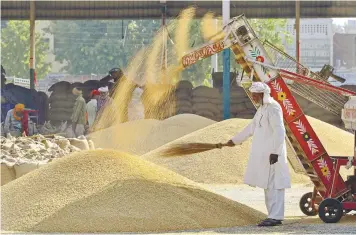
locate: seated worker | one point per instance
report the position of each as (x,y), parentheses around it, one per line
(13,120)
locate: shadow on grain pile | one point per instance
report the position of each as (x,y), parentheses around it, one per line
(110,191)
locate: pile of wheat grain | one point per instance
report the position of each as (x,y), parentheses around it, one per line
(141,136)
(228,164)
(109,191)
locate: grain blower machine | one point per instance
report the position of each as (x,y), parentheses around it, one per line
(332,196)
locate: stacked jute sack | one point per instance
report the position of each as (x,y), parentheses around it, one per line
(61,102)
(183,97)
(206,102)
(240,104)
(24,154)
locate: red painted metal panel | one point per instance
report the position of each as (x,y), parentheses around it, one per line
(307,138)
(349,205)
(281,93)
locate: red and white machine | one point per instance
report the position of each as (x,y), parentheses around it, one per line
(332,195)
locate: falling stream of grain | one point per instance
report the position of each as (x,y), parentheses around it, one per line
(147,68)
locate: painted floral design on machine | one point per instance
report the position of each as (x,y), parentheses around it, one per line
(256,54)
(282,97)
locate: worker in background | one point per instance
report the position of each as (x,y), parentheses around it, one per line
(104,98)
(13,124)
(92,107)
(79,113)
(136,108)
(267,166)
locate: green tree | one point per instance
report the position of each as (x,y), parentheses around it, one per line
(15,50)
(99,45)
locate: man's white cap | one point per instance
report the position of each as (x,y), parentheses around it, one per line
(260,87)
(103,89)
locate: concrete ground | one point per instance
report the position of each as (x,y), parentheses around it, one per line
(295,223)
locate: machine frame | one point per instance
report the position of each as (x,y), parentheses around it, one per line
(332,196)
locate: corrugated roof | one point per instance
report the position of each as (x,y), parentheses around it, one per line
(54,10)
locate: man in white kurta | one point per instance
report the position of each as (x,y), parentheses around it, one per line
(267,166)
(136,108)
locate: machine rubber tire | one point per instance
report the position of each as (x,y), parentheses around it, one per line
(330,210)
(304,205)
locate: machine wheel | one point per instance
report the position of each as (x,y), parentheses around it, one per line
(305,205)
(330,210)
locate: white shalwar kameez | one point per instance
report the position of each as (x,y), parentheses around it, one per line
(136,108)
(267,129)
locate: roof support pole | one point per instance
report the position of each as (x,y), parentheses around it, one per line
(164,42)
(32,44)
(297,29)
(226,63)
(214,58)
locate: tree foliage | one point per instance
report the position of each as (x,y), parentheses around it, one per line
(96,46)
(15,50)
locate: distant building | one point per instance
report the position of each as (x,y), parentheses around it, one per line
(351,26)
(345,50)
(316,41)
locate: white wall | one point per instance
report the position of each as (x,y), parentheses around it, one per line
(316,39)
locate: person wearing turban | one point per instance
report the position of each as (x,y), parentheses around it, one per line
(267,165)
(92,107)
(135,106)
(104,98)
(79,113)
(13,120)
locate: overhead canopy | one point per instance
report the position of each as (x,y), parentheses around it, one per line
(65,10)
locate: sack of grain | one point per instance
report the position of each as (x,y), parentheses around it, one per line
(237,92)
(25,168)
(236,108)
(206,113)
(208,92)
(62,104)
(182,110)
(91,144)
(249,105)
(206,107)
(216,101)
(7,174)
(60,116)
(184,85)
(57,96)
(60,86)
(79,143)
(69,132)
(198,99)
(183,96)
(62,143)
(183,103)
